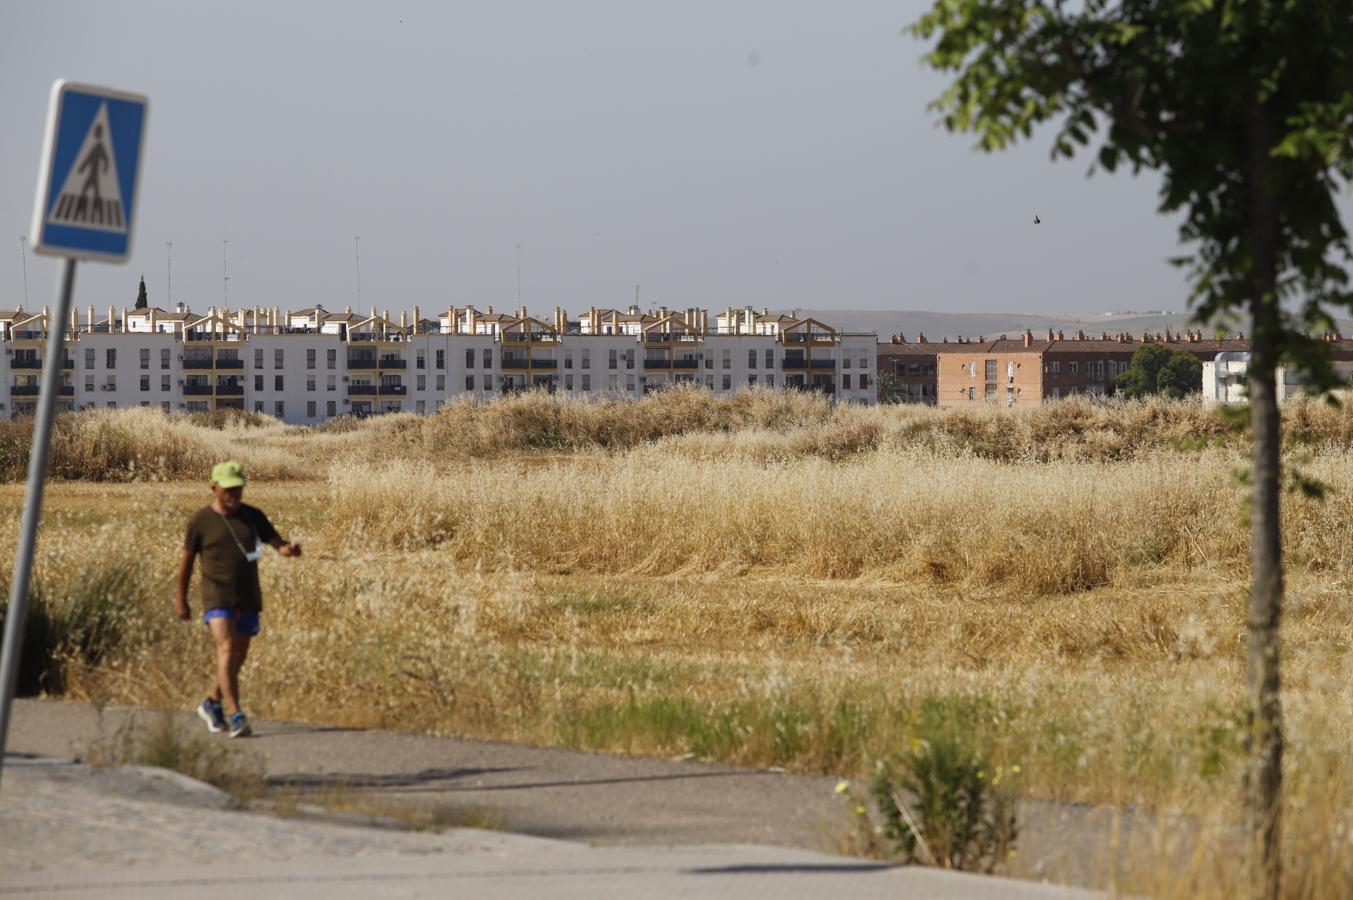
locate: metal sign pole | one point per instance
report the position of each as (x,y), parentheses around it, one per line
(32,507)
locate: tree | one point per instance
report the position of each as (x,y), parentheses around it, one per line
(1157,369)
(1244,107)
(141,300)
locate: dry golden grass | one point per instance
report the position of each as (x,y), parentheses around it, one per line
(1068,583)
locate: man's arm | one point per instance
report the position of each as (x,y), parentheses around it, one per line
(185,576)
(285,548)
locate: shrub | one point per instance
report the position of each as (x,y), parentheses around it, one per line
(964,809)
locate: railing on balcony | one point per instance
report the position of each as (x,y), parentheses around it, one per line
(511,363)
(522,337)
(393,390)
(229,363)
(230,390)
(65,390)
(26,363)
(362,389)
(393,362)
(685,363)
(793,362)
(197,390)
(660,337)
(824,364)
(25,390)
(68,363)
(657,364)
(544,364)
(809,338)
(197,363)
(362,362)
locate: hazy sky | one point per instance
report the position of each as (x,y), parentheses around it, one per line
(718,153)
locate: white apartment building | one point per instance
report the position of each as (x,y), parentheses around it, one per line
(309,366)
(1224,378)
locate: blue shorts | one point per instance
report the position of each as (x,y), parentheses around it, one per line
(246,620)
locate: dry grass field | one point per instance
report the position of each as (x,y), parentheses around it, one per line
(765,579)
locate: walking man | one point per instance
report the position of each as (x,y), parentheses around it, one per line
(229,536)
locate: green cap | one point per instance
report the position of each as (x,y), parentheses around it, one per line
(228,474)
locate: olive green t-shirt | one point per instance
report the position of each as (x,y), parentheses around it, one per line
(229,578)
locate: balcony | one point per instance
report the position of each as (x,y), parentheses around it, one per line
(513,364)
(657,364)
(793,362)
(658,337)
(362,362)
(65,390)
(25,390)
(197,363)
(685,363)
(393,362)
(68,363)
(544,364)
(26,363)
(235,389)
(197,390)
(361,390)
(393,390)
(808,338)
(522,337)
(228,363)
(823,364)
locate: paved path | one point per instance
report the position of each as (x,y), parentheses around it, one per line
(67,830)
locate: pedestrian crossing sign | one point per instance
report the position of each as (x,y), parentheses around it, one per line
(90,168)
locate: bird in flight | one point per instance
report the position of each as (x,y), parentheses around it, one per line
(1037,220)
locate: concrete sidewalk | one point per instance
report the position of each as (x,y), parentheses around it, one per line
(68,830)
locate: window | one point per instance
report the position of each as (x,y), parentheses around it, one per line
(770,381)
(278,360)
(164,358)
(629,359)
(1010,370)
(751,359)
(488,382)
(864,362)
(164,382)
(422,383)
(1073,368)
(89,381)
(845,382)
(258,384)
(1056,393)
(709,361)
(310,409)
(972,370)
(258,404)
(614,382)
(331,408)
(1009,396)
(568,359)
(845,362)
(469,359)
(309,383)
(568,382)
(145,357)
(279,409)
(258,362)
(330,382)
(331,358)
(277,383)
(770,359)
(629,382)
(1055,367)
(488,364)
(727,361)
(972,391)
(728,382)
(418,361)
(751,378)
(420,407)
(164,405)
(310,358)
(587,360)
(864,381)
(587,381)
(89,358)
(441,382)
(611,359)
(112,382)
(111,358)
(469,382)
(441,359)
(990,368)
(145,383)
(989,394)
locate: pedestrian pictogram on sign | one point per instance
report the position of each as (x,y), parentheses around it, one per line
(87,189)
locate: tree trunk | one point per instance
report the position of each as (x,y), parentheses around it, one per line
(1263,776)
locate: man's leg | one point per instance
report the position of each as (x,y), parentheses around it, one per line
(239,652)
(226,691)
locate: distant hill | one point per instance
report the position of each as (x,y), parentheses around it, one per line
(938,325)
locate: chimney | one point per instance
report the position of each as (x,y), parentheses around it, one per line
(1059,335)
(662,312)
(920,338)
(110,319)
(1051,337)
(417,317)
(91,318)
(75,322)
(1080,335)
(901,338)
(1028,337)
(945,339)
(124,320)
(347,310)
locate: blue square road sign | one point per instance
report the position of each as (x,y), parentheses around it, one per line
(91,160)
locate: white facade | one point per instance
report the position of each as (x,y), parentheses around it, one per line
(1224,378)
(319,366)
